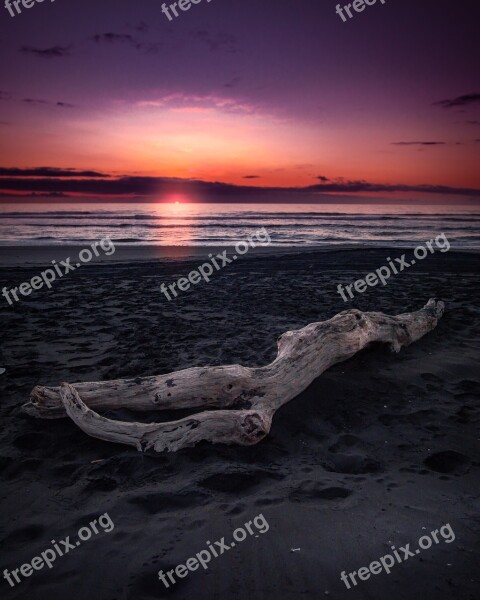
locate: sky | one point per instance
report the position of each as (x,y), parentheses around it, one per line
(237,99)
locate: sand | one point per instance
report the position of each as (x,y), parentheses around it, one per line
(380,450)
(39,255)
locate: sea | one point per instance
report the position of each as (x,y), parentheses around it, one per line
(183,224)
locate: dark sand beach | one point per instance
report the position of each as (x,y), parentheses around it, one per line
(378,451)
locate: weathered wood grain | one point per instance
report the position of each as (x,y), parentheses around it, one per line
(248,397)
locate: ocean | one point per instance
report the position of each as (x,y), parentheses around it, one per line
(225,224)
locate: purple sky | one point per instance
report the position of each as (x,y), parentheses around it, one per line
(266,93)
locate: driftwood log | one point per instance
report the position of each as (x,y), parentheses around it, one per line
(243,400)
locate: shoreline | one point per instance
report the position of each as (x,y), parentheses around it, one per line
(25,256)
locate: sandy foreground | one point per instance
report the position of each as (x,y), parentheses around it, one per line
(379,451)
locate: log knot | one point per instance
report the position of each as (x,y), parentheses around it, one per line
(255,428)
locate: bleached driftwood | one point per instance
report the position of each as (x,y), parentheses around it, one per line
(249,397)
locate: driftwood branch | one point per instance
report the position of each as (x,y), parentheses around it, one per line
(249,397)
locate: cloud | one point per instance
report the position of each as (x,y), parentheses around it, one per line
(48,172)
(141,27)
(216,41)
(126,38)
(131,187)
(191,110)
(53,52)
(251,177)
(473,122)
(43,195)
(38,101)
(418,143)
(459,101)
(323,179)
(233,82)
(112,38)
(47,103)
(363,186)
(34,101)
(192,103)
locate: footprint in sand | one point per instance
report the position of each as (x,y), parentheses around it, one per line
(448,461)
(314,490)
